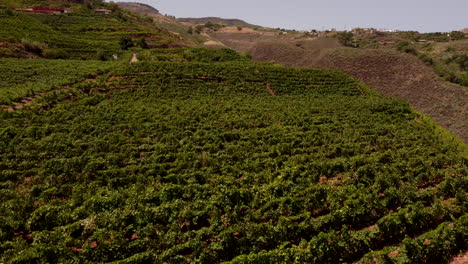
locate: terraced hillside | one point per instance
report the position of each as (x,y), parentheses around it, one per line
(79,34)
(178,162)
(166,22)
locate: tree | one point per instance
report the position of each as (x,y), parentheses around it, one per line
(462,61)
(125,42)
(102,55)
(457,35)
(345,38)
(190,30)
(406,47)
(209,24)
(9,12)
(142,43)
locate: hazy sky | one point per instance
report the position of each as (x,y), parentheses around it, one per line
(421,15)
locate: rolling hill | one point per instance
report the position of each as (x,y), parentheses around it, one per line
(390,72)
(226,160)
(170,24)
(139,8)
(81,33)
(217,20)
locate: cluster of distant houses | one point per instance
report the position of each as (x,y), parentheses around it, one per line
(58,11)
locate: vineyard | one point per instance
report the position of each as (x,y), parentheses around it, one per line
(180,159)
(23,78)
(81,34)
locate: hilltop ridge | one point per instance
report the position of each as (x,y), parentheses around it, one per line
(229,22)
(139,8)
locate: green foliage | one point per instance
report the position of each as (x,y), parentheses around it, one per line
(433,36)
(407,47)
(8,12)
(80,33)
(208,25)
(22,78)
(33,46)
(450,49)
(125,42)
(461,60)
(457,35)
(192,55)
(55,54)
(190,30)
(426,59)
(240,162)
(204,55)
(141,42)
(103,55)
(453,69)
(345,38)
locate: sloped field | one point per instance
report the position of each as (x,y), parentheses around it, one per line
(390,72)
(238,162)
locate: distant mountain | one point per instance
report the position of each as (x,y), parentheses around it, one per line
(217,20)
(465,30)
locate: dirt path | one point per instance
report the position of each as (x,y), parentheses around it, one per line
(134,58)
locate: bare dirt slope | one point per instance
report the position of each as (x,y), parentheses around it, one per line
(389,72)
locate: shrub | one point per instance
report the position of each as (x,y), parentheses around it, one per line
(55,54)
(142,43)
(239,28)
(426,59)
(103,55)
(457,35)
(9,12)
(450,49)
(406,47)
(462,61)
(345,38)
(125,42)
(33,46)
